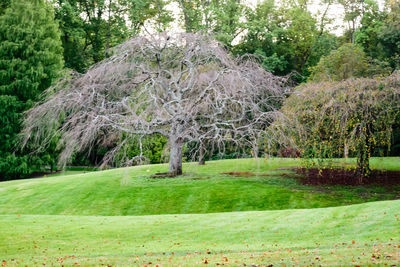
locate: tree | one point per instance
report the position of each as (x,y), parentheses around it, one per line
(322,119)
(30,59)
(192,13)
(390,34)
(287,38)
(367,35)
(353,10)
(90,28)
(219,17)
(184,87)
(347,61)
(4,5)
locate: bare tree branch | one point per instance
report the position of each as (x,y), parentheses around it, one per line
(184,86)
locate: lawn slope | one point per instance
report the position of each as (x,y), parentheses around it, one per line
(203,189)
(350,235)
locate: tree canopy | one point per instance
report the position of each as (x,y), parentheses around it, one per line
(329,119)
(30,59)
(184,87)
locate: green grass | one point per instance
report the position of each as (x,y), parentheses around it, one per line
(300,237)
(262,219)
(203,189)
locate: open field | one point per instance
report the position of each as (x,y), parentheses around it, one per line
(265,218)
(352,235)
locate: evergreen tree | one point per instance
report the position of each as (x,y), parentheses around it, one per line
(30,59)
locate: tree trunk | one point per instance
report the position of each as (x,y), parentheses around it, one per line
(364,153)
(255,145)
(363,169)
(346,150)
(175,155)
(108,36)
(255,151)
(202,155)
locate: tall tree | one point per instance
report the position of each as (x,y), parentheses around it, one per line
(288,38)
(30,59)
(390,34)
(367,35)
(184,87)
(192,12)
(353,11)
(90,28)
(220,17)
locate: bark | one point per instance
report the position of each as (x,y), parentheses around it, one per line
(108,36)
(255,151)
(202,155)
(363,168)
(175,156)
(188,26)
(346,150)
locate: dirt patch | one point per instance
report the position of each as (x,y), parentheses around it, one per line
(244,174)
(347,177)
(200,178)
(162,175)
(286,168)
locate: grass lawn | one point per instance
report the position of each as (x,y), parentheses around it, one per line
(208,217)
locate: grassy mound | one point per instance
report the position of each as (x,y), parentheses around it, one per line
(203,189)
(352,235)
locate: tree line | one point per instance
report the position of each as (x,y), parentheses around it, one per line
(39,39)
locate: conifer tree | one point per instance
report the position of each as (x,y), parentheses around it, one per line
(30,59)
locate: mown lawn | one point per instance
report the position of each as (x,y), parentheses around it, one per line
(201,217)
(348,236)
(203,189)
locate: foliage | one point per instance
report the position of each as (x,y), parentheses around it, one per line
(353,10)
(221,18)
(347,61)
(390,35)
(323,120)
(379,33)
(30,59)
(150,149)
(4,5)
(287,37)
(90,28)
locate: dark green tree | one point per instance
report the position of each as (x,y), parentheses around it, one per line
(30,59)
(90,28)
(3,5)
(219,17)
(390,34)
(287,38)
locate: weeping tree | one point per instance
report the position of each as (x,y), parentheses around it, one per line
(185,87)
(330,119)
